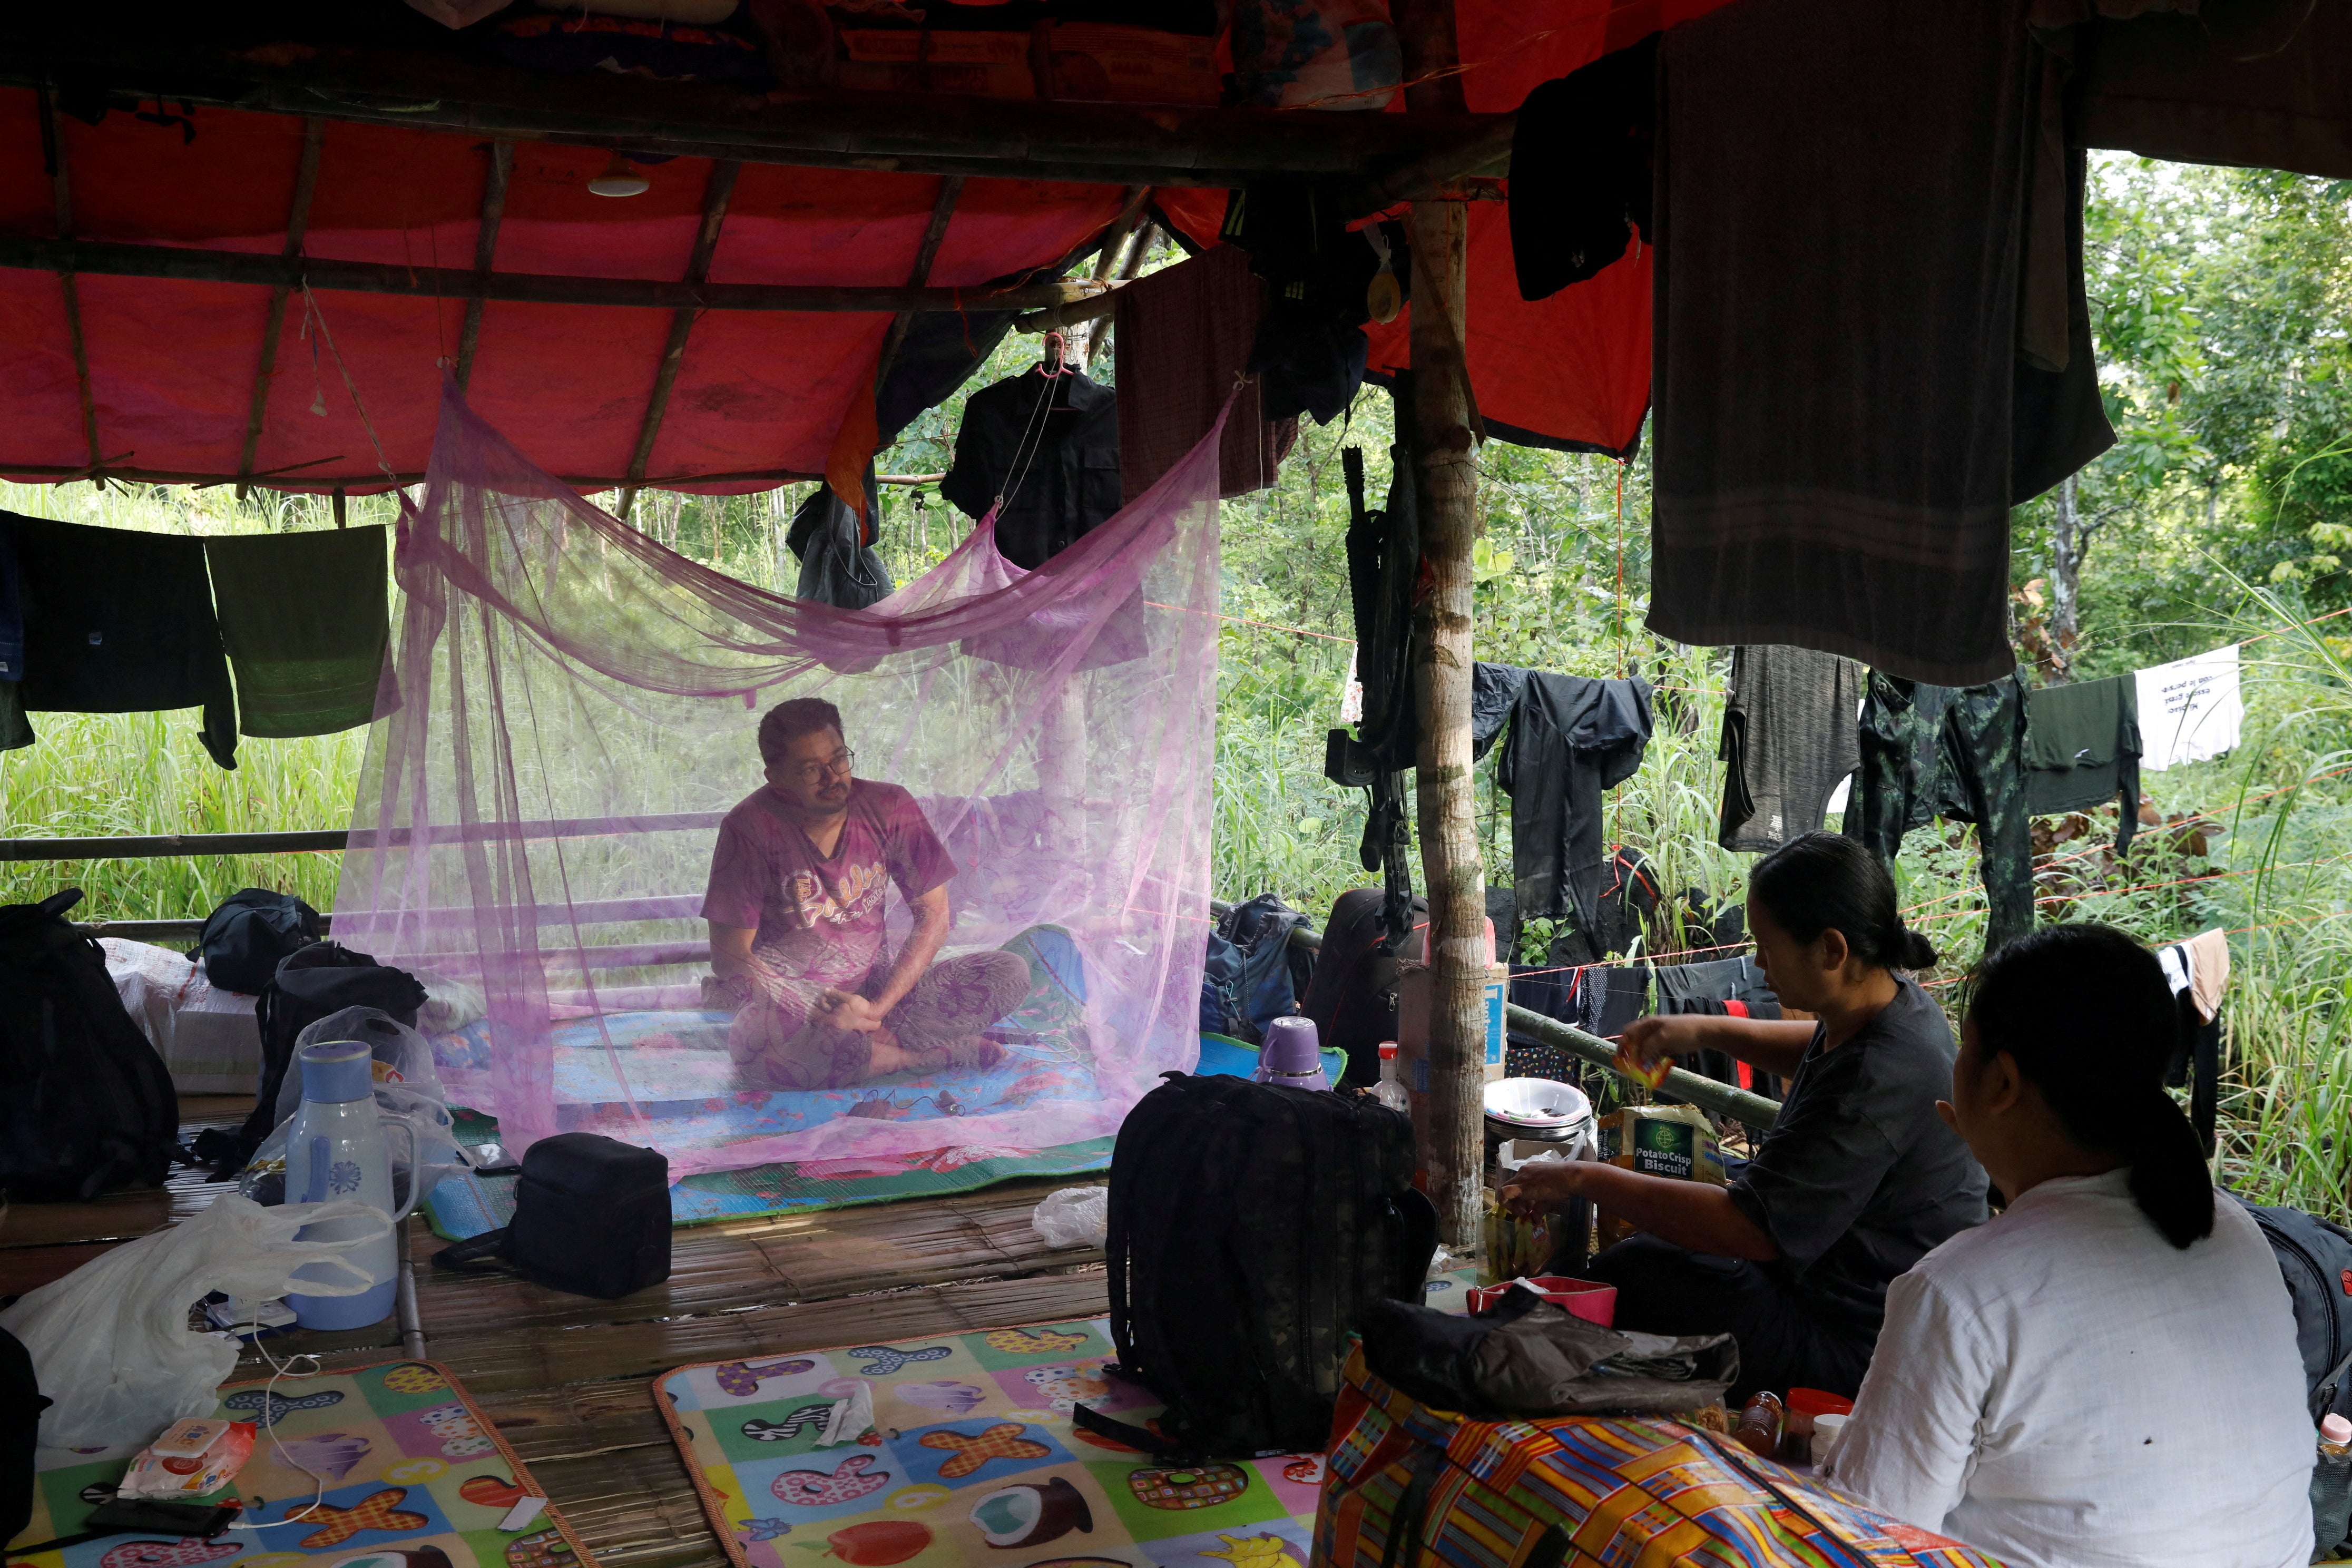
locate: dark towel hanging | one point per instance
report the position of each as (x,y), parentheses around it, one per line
(1580,169)
(122,622)
(305,621)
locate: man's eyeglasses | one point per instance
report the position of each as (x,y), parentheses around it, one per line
(840,762)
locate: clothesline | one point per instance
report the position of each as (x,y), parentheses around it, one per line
(2090,850)
(1653,960)
(1269,625)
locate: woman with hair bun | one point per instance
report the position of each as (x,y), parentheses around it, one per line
(1858,1177)
(2108,1374)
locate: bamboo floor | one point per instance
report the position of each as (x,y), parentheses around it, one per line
(569,1379)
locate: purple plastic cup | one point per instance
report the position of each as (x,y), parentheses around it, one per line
(1291,1054)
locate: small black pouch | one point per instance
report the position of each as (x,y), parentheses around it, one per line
(591,1217)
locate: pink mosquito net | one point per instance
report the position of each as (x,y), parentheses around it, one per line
(572,708)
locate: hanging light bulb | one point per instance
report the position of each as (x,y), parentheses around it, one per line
(619,179)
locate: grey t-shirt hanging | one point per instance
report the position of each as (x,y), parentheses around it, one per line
(1788,736)
(1859,1178)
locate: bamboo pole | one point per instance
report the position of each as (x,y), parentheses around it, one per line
(943,207)
(297,221)
(1035,139)
(1452,1143)
(107,259)
(715,196)
(61,193)
(486,249)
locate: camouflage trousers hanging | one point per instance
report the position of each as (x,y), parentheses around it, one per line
(1954,752)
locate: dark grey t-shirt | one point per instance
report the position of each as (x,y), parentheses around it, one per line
(1860,1178)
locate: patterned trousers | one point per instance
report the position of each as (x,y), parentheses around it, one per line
(1954,753)
(778,1043)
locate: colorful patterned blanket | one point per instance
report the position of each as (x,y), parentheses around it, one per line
(972,1458)
(1586,1492)
(415,1477)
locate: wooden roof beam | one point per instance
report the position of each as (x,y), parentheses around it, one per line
(105,259)
(297,221)
(715,196)
(485,250)
(1108,143)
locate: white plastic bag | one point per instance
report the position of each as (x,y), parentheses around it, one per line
(1074,1216)
(111,1343)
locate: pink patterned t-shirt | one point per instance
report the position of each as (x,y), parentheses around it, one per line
(820,919)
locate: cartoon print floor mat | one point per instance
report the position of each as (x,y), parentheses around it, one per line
(416,1477)
(972,1460)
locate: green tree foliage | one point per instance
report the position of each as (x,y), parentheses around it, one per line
(2220,301)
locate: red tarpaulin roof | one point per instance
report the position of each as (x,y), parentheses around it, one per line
(173,363)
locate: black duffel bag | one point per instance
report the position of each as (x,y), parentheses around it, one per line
(592,1217)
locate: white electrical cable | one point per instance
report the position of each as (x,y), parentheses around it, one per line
(269,1420)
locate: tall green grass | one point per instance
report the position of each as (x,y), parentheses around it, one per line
(103,774)
(2272,861)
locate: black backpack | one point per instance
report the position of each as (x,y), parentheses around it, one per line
(2314,1259)
(592,1217)
(1220,989)
(246,937)
(85,1102)
(1352,994)
(311,982)
(20,1427)
(1249,1225)
(1273,973)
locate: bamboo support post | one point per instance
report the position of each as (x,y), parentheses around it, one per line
(715,196)
(485,250)
(1452,1141)
(297,221)
(1453,1147)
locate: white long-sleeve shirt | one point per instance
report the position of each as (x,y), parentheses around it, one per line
(2064,1388)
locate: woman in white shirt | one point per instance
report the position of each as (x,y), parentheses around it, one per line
(2107,1373)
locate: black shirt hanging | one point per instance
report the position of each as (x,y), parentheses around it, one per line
(118,621)
(1049,446)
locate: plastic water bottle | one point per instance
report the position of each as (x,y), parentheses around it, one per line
(336,1150)
(1389,1091)
(2331,1487)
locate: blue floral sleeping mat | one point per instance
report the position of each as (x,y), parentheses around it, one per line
(675,1068)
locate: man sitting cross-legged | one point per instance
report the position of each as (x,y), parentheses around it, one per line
(798,879)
